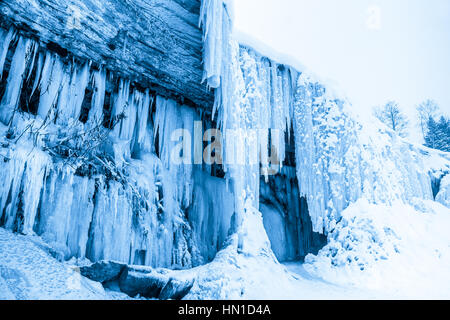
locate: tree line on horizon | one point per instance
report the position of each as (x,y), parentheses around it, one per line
(434,126)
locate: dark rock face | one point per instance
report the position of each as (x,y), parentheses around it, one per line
(286,218)
(156,43)
(103,271)
(147,282)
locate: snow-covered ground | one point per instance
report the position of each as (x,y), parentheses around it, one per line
(28,271)
(363,260)
(403,250)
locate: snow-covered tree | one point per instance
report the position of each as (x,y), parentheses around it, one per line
(391,115)
(426,110)
(438,134)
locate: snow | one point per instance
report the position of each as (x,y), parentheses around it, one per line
(396,249)
(28,272)
(247,269)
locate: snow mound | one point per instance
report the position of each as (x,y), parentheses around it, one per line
(398,248)
(245,269)
(28,272)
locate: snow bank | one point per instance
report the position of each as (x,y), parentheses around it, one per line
(28,272)
(400,249)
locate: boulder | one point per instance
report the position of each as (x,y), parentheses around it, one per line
(147,282)
(143,281)
(176,289)
(103,271)
(162,284)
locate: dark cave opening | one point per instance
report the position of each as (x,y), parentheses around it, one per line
(285,213)
(287,220)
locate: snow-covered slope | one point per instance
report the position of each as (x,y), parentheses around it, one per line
(28,271)
(400,249)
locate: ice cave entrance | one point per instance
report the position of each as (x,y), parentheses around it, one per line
(285,214)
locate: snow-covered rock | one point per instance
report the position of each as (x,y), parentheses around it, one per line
(103,271)
(155,283)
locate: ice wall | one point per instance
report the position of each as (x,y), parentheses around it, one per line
(88,156)
(87,164)
(338,159)
(248,107)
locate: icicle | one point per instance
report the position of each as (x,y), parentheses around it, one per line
(50,83)
(64,98)
(38,72)
(5,39)
(74,83)
(120,120)
(78,84)
(128,124)
(166,120)
(34,53)
(33,181)
(142,119)
(212,17)
(305,153)
(15,79)
(96,112)
(120,104)
(11,174)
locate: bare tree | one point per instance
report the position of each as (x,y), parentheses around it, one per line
(426,110)
(391,115)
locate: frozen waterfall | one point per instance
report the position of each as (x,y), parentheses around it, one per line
(88,157)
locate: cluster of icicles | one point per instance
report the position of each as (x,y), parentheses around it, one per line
(165,216)
(184,214)
(62,88)
(336,162)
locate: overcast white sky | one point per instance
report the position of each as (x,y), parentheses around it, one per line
(376,50)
